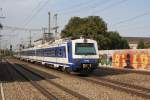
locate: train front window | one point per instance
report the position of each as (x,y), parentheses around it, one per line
(85,49)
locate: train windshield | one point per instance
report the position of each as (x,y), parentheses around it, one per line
(85,49)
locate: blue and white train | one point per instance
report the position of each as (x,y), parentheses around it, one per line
(79,55)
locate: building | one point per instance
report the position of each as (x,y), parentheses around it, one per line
(133,41)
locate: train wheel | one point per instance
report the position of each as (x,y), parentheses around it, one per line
(68,70)
(63,69)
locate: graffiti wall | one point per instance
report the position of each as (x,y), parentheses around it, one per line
(137,59)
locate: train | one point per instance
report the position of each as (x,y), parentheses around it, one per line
(70,55)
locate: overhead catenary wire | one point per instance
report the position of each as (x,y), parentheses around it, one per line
(101,4)
(95,4)
(90,5)
(38,10)
(110,6)
(20,28)
(73,6)
(131,19)
(27,21)
(33,10)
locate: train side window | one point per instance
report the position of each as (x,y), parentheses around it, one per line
(50,52)
(41,52)
(55,52)
(60,52)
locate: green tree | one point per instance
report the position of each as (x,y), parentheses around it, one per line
(117,42)
(147,45)
(103,42)
(90,27)
(95,28)
(124,44)
(115,38)
(141,45)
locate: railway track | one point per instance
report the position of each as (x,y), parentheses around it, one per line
(128,88)
(41,89)
(119,70)
(1,87)
(2,92)
(35,84)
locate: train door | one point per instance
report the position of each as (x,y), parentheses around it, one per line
(69,50)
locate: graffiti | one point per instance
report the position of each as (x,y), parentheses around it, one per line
(137,59)
(105,60)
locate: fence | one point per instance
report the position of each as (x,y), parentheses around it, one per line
(137,59)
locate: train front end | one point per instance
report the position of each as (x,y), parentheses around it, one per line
(85,57)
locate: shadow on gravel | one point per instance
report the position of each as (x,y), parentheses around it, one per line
(83,75)
(9,74)
(102,72)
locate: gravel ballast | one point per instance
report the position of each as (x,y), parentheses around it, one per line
(88,89)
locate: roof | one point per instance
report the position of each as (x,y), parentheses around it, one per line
(137,39)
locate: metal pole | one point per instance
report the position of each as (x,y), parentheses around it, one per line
(56,22)
(49,23)
(0,48)
(44,29)
(56,27)
(30,39)
(2,16)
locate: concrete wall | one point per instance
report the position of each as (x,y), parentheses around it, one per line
(138,58)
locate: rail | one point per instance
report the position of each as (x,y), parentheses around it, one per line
(73,93)
(2,92)
(35,84)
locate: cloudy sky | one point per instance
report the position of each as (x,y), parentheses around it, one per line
(128,17)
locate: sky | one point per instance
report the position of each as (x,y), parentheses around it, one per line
(129,17)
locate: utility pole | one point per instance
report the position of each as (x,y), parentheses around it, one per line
(49,22)
(43,32)
(1,26)
(56,26)
(44,29)
(0,49)
(30,39)
(2,17)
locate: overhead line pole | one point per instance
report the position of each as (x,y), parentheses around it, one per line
(1,26)
(30,39)
(56,26)
(2,17)
(49,22)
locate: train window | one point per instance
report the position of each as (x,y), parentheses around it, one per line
(52,52)
(85,49)
(56,51)
(45,52)
(60,52)
(42,52)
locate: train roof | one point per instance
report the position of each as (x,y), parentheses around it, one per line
(55,43)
